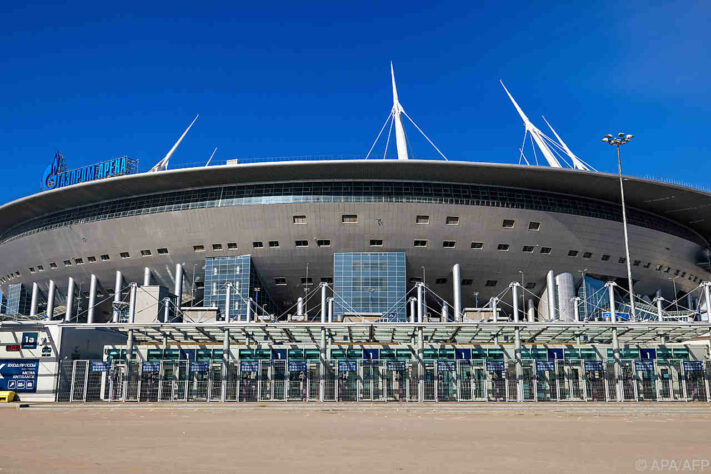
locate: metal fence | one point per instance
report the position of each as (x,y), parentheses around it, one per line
(382,381)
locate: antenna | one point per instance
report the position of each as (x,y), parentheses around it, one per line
(213,154)
(162,165)
(576,161)
(397,112)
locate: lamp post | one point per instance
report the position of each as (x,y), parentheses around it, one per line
(618,141)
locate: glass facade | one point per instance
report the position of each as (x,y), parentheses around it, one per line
(370,282)
(357,192)
(18,299)
(245,283)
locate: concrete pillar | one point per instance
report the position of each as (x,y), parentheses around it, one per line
(117,294)
(178,290)
(146,276)
(50,300)
(531,311)
(576,308)
(70,300)
(445,312)
(249,310)
(457,283)
(228,302)
(225,361)
(413,311)
(707,300)
(324,311)
(92,300)
(322,372)
(166,310)
(611,294)
(514,295)
(330,303)
(35,296)
(519,365)
(420,364)
(616,365)
(420,302)
(495,308)
(550,286)
(132,303)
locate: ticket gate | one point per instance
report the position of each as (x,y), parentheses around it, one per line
(413,381)
(314,373)
(430,379)
(348,381)
(694,381)
(198,381)
(248,389)
(446,381)
(670,379)
(528,372)
(330,382)
(272,380)
(215,382)
(298,382)
(466,381)
(628,380)
(233,379)
(546,382)
(511,382)
(646,380)
(595,383)
(149,385)
(371,380)
(611,381)
(396,381)
(497,383)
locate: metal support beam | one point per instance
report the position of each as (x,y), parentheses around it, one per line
(129,342)
(457,283)
(324,310)
(70,300)
(514,295)
(616,365)
(35,296)
(330,304)
(225,360)
(519,366)
(611,294)
(420,365)
(322,371)
(146,276)
(228,302)
(420,302)
(118,283)
(178,289)
(92,300)
(413,311)
(550,286)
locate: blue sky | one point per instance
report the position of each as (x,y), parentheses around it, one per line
(98,80)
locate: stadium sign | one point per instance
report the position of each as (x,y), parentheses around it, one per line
(57,176)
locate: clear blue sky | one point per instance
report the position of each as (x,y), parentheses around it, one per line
(97,80)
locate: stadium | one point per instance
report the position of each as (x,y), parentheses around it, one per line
(356,280)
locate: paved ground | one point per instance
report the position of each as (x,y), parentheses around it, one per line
(315,438)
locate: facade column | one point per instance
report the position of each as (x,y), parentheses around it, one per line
(299,307)
(249,310)
(445,312)
(92,300)
(495,308)
(70,300)
(517,343)
(322,371)
(166,310)
(225,361)
(33,301)
(611,295)
(616,366)
(146,276)
(550,284)
(531,311)
(117,295)
(576,309)
(707,299)
(329,303)
(324,311)
(178,289)
(420,302)
(457,283)
(413,311)
(420,364)
(129,342)
(50,300)
(228,302)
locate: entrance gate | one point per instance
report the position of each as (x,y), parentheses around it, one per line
(446,381)
(497,381)
(647,380)
(371,380)
(670,379)
(396,385)
(546,381)
(694,381)
(595,382)
(298,381)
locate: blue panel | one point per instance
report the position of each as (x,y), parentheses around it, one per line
(555,354)
(465,354)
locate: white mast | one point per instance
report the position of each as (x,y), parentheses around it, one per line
(397,117)
(576,161)
(535,133)
(162,165)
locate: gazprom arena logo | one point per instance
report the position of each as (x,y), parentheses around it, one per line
(57,176)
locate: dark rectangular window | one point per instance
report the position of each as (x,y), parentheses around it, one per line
(491,282)
(546,250)
(323,243)
(299,219)
(306,281)
(530,285)
(302,243)
(198,248)
(605,258)
(477,245)
(636,263)
(508,223)
(349,218)
(231,245)
(52,265)
(376,243)
(503,247)
(162,251)
(587,254)
(257,245)
(527,248)
(621,260)
(105,257)
(423,219)
(572,253)
(273,243)
(32,269)
(125,255)
(281,281)
(534,225)
(449,244)
(91,259)
(79,261)
(145,253)
(216,246)
(40,268)
(452,220)
(441,281)
(467,282)
(420,243)
(326,279)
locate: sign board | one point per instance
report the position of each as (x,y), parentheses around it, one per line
(199,366)
(297,366)
(644,365)
(46,351)
(249,366)
(151,367)
(19,375)
(545,366)
(593,365)
(12,348)
(693,365)
(396,365)
(57,176)
(347,366)
(618,316)
(29,340)
(495,365)
(446,366)
(98,366)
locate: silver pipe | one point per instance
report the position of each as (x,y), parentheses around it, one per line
(146,276)
(611,294)
(178,290)
(35,295)
(420,309)
(531,310)
(70,300)
(50,300)
(457,283)
(228,302)
(117,295)
(324,311)
(92,300)
(514,295)
(550,283)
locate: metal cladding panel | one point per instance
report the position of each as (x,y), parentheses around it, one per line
(565,290)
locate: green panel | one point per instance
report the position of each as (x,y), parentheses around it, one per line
(387,354)
(430,353)
(295,353)
(155,355)
(246,354)
(446,353)
(629,353)
(134,353)
(664,353)
(403,354)
(354,354)
(311,354)
(496,354)
(112,354)
(263,354)
(203,354)
(680,353)
(539,353)
(588,354)
(217,354)
(571,353)
(338,353)
(478,353)
(171,354)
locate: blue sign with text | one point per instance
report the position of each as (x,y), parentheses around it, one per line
(693,365)
(446,366)
(57,176)
(297,366)
(347,366)
(151,367)
(545,366)
(249,366)
(644,365)
(29,340)
(396,365)
(593,365)
(200,366)
(495,365)
(98,366)
(19,375)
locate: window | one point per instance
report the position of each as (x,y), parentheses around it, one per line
(326,279)
(530,285)
(273,243)
(621,260)
(349,218)
(647,265)
(467,282)
(587,255)
(452,220)
(449,244)
(91,259)
(423,219)
(145,253)
(605,258)
(508,223)
(306,281)
(441,281)
(477,245)
(503,247)
(125,255)
(231,245)
(659,268)
(572,253)
(534,225)
(216,246)
(636,263)
(302,243)
(376,243)
(52,265)
(40,268)
(666,270)
(79,261)
(299,219)
(528,248)
(105,258)
(546,250)
(420,243)
(257,245)
(32,269)
(198,248)
(323,243)
(163,251)
(280,281)
(491,282)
